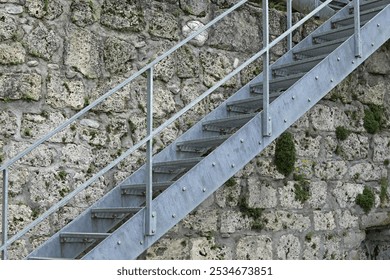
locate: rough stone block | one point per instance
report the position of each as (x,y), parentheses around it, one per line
(282,220)
(16,86)
(82,52)
(215,66)
(261,195)
(44,9)
(196,8)
(8,27)
(378,63)
(307,146)
(318,194)
(42,42)
(254,248)
(187,61)
(331,170)
(287,197)
(83,13)
(381,148)
(118,55)
(77,156)
(367,171)
(165,69)
(355,147)
(8,124)
(232,221)
(163,25)
(345,193)
(228,196)
(12,53)
(331,247)
(375,219)
(169,249)
(353,239)
(238,32)
(266,168)
(325,118)
(324,220)
(288,248)
(207,249)
(201,221)
(312,247)
(122,15)
(63,93)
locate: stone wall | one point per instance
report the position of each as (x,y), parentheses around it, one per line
(58,56)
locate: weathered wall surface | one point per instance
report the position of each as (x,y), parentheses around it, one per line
(58,56)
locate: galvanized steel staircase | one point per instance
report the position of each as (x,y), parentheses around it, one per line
(202,159)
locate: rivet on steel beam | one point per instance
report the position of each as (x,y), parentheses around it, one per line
(153,231)
(119,242)
(338,59)
(233,165)
(204,190)
(173,215)
(183,189)
(153,215)
(293,97)
(353,61)
(242,140)
(269,118)
(213,164)
(316,77)
(141,243)
(259,142)
(309,100)
(378,25)
(372,44)
(331,80)
(285,120)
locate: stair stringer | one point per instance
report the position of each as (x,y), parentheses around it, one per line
(129,241)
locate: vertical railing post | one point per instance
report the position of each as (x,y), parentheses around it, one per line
(266,74)
(289,24)
(150,215)
(358,41)
(4,221)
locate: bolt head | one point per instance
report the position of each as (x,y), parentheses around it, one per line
(173,215)
(204,190)
(119,242)
(184,189)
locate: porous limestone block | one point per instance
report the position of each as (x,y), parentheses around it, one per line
(318,194)
(355,147)
(312,247)
(8,26)
(257,247)
(164,25)
(83,13)
(187,60)
(195,7)
(12,53)
(118,55)
(288,248)
(206,248)
(216,66)
(287,196)
(307,146)
(324,220)
(283,220)
(326,118)
(201,221)
(367,171)
(169,249)
(381,148)
(9,124)
(42,42)
(232,221)
(331,170)
(261,194)
(82,51)
(17,86)
(345,193)
(191,27)
(346,219)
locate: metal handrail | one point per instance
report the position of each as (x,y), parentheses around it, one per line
(151,133)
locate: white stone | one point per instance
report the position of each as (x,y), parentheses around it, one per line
(90,123)
(289,247)
(287,197)
(318,194)
(254,248)
(367,171)
(324,221)
(261,195)
(13,9)
(201,221)
(232,221)
(346,220)
(345,193)
(282,220)
(207,249)
(191,27)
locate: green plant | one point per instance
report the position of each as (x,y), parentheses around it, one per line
(383,196)
(342,133)
(285,153)
(373,118)
(62,175)
(366,199)
(254,213)
(301,188)
(231,182)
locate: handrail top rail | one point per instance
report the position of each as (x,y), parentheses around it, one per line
(164,125)
(119,86)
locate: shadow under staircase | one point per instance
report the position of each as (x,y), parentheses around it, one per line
(136,213)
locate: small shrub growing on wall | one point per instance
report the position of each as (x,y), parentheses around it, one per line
(373,118)
(285,154)
(366,199)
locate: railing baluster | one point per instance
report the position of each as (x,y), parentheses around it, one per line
(266,74)
(4,254)
(358,41)
(150,215)
(289,24)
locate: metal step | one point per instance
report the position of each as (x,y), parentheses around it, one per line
(175,165)
(277,85)
(367,5)
(201,145)
(337,33)
(46,259)
(318,49)
(298,66)
(82,237)
(227,124)
(364,16)
(140,189)
(250,105)
(113,213)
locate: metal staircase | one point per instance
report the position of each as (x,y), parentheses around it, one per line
(140,210)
